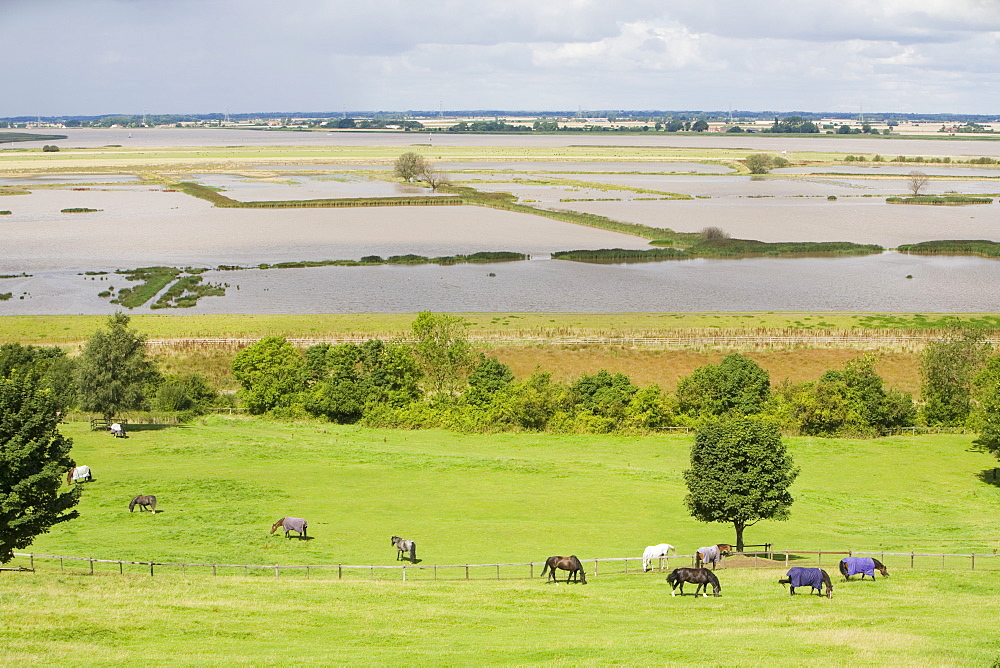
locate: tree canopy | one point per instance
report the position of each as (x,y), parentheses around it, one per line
(410,166)
(271,373)
(736,385)
(114,373)
(740,474)
(34,460)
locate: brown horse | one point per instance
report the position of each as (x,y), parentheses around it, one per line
(144,501)
(698,576)
(712,554)
(570,563)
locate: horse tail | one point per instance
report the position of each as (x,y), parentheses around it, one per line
(545,567)
(152,503)
(69,476)
(413,551)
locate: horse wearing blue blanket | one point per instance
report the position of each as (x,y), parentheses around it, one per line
(864,565)
(815,578)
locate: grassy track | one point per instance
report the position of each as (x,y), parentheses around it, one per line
(478,499)
(59,329)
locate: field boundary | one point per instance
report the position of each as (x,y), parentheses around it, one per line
(875,341)
(514,570)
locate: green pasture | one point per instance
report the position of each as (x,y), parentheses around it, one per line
(485,499)
(917,618)
(222,482)
(68,329)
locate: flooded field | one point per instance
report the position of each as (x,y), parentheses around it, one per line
(145,224)
(874,283)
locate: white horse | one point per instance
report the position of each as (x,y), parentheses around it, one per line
(655,552)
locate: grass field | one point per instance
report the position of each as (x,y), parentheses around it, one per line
(62,329)
(487,499)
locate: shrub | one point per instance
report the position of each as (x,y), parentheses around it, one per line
(713,233)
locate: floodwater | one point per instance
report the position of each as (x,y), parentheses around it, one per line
(142,225)
(871,283)
(170,137)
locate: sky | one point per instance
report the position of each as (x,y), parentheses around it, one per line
(90,57)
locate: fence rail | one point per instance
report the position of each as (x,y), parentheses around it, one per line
(504,571)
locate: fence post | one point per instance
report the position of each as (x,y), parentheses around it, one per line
(595,567)
(404,573)
(942,561)
(786,558)
(213,570)
(91,565)
(32,555)
(911,559)
(467,571)
(435,572)
(275,572)
(60,563)
(973,561)
(498,571)
(820,562)
(121,568)
(531,571)
(151,569)
(340,572)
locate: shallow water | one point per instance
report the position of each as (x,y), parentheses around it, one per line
(294,187)
(871,283)
(94,137)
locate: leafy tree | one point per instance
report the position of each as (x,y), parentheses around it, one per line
(916,181)
(357,377)
(489,377)
(761,163)
(700,125)
(188,392)
(604,395)
(443,352)
(987,387)
(34,459)
(947,369)
(736,385)
(529,404)
(271,372)
(740,473)
(114,374)
(410,166)
(49,364)
(675,125)
(648,409)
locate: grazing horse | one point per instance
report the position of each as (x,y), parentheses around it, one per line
(144,501)
(712,554)
(865,565)
(403,546)
(296,524)
(699,576)
(570,563)
(816,578)
(655,552)
(78,474)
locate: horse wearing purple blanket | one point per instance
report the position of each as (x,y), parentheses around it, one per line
(864,565)
(296,524)
(815,578)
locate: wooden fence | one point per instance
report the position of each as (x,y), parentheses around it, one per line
(781,559)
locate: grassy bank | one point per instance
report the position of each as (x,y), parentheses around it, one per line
(980,247)
(62,329)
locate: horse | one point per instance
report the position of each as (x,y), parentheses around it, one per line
(816,578)
(144,501)
(78,474)
(296,524)
(117,430)
(865,565)
(699,576)
(655,552)
(570,563)
(712,554)
(403,546)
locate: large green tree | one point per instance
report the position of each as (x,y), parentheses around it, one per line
(740,474)
(34,459)
(947,368)
(271,372)
(736,385)
(410,166)
(443,352)
(114,373)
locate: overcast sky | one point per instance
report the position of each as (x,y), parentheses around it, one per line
(68,57)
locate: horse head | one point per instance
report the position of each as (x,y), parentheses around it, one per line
(828,583)
(725,549)
(880,567)
(277,525)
